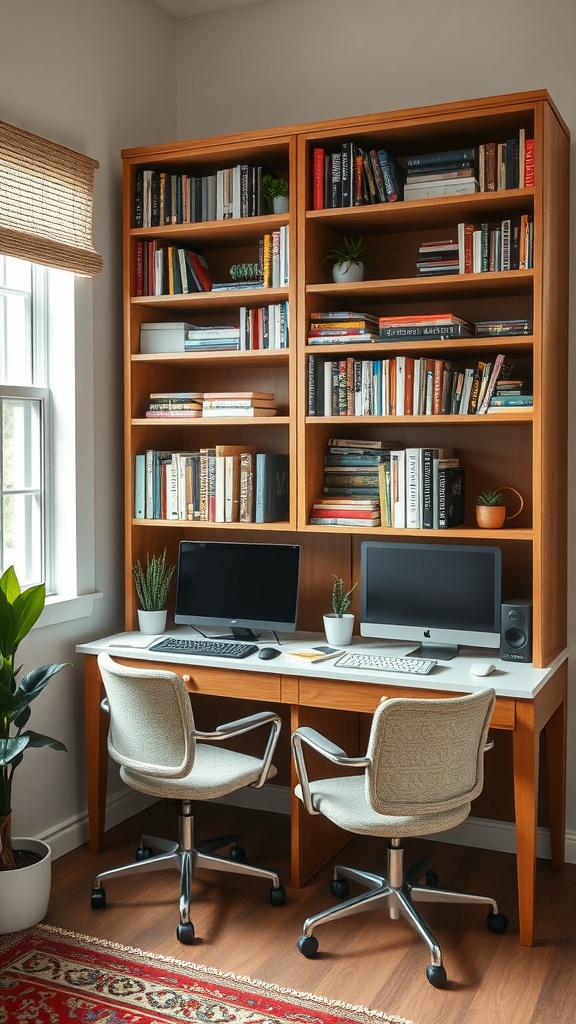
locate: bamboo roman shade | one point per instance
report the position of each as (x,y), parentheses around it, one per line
(46,196)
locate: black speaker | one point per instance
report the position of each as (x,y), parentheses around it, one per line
(516,630)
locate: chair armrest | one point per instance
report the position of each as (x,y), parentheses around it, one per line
(327,749)
(243,725)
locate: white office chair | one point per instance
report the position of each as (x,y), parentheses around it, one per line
(423,767)
(153,738)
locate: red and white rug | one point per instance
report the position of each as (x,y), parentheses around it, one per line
(51,976)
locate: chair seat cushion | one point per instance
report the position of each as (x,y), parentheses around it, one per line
(216,772)
(343,801)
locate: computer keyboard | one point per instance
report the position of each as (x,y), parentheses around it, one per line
(411,666)
(211,648)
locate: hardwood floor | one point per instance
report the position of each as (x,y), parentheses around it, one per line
(367,960)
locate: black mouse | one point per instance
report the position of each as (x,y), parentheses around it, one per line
(268,652)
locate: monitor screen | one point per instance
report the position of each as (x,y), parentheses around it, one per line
(440,595)
(238,587)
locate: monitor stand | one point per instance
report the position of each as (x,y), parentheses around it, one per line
(239,633)
(439,652)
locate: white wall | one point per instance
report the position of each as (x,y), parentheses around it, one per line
(96,76)
(289,61)
(102,75)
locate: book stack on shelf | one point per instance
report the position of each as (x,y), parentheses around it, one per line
(351,490)
(176,404)
(424,327)
(163,337)
(432,175)
(346,326)
(221,484)
(238,403)
(212,338)
(421,488)
(502,328)
(438,257)
(511,396)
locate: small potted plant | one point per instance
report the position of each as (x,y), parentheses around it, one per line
(25,864)
(339,623)
(491,508)
(275,192)
(152,583)
(349,259)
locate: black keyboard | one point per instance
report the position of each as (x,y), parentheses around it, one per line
(211,648)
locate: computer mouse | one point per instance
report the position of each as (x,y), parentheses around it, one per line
(481,668)
(268,652)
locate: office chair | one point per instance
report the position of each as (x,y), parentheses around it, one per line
(422,769)
(153,737)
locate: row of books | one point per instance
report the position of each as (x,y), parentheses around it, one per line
(402,386)
(402,488)
(352,175)
(507,245)
(224,483)
(210,404)
(162,197)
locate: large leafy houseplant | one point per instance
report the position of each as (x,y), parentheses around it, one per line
(19,610)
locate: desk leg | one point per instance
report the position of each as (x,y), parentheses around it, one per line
(555,734)
(96,728)
(526,761)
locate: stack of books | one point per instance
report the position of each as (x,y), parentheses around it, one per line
(438,257)
(432,175)
(238,403)
(502,328)
(511,396)
(351,491)
(348,326)
(212,337)
(424,326)
(177,404)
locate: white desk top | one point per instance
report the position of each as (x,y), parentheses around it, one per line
(509,679)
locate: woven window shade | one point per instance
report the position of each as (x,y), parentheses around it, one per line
(46,196)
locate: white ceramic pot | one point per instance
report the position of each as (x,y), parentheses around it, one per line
(339,628)
(152,622)
(347,273)
(25,892)
(280,204)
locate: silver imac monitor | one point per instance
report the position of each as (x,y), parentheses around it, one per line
(440,596)
(238,587)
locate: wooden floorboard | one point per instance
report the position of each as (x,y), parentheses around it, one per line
(367,960)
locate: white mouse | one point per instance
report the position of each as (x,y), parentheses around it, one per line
(481,668)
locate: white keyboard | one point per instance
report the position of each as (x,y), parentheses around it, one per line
(410,666)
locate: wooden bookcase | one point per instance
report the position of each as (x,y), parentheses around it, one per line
(526,451)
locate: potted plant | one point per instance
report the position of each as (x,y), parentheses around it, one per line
(339,623)
(349,259)
(152,583)
(491,508)
(275,192)
(25,864)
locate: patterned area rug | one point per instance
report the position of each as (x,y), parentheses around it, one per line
(51,976)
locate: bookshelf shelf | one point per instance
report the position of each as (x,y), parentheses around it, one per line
(523,450)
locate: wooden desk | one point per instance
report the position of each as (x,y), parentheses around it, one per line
(529,701)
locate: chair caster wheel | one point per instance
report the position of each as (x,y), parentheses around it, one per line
(144,853)
(497,922)
(185,933)
(340,887)
(431,879)
(98,899)
(278,896)
(436,975)
(237,853)
(308,946)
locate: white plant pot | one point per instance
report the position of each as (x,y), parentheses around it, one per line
(339,628)
(25,892)
(347,273)
(280,204)
(152,622)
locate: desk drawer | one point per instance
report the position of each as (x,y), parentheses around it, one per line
(221,682)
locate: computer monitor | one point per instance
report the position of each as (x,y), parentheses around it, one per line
(238,587)
(439,595)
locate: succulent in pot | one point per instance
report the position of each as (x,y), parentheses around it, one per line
(340,597)
(152,581)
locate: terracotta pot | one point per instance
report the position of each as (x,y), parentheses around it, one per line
(493,517)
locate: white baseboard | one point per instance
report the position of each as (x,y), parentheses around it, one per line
(479,833)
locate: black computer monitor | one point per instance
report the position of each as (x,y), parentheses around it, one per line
(438,595)
(238,587)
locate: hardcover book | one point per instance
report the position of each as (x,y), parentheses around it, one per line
(271,487)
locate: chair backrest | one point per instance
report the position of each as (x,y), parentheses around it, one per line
(427,755)
(151,720)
